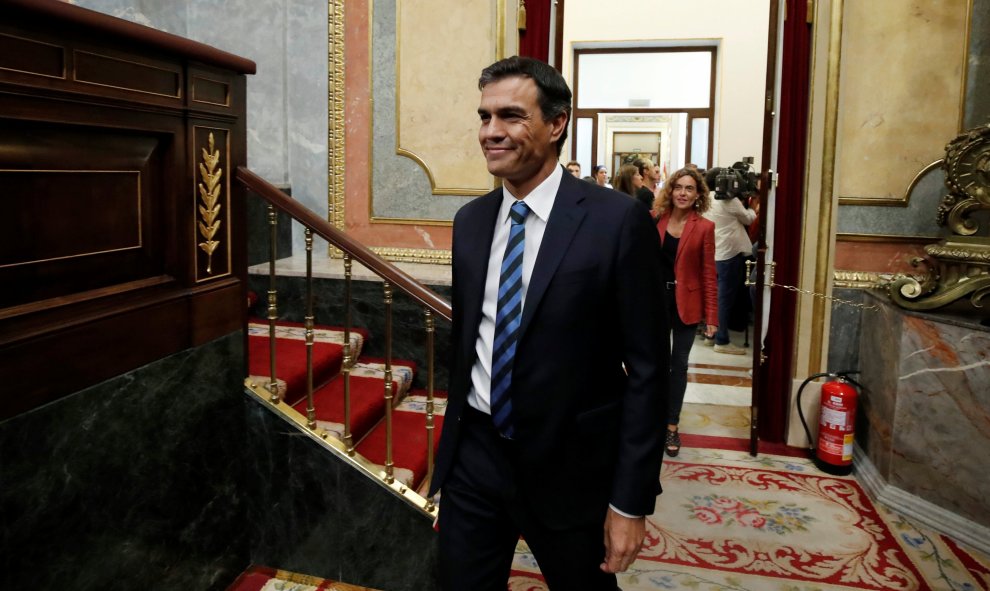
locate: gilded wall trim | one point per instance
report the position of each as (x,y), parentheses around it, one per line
(336,119)
(884,238)
(861,279)
(414,255)
(827,211)
(410,221)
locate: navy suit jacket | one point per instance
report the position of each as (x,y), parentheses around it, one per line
(589,380)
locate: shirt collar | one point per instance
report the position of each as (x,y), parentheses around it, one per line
(540,200)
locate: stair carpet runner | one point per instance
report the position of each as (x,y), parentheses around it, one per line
(367,393)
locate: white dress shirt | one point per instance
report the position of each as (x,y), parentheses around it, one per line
(540,202)
(731,219)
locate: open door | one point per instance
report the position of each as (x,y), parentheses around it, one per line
(781,192)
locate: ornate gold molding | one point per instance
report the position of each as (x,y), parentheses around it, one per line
(884,238)
(414,255)
(336,111)
(410,221)
(209,209)
(211,196)
(958,266)
(827,212)
(860,279)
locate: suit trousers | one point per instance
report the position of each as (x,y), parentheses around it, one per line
(483,513)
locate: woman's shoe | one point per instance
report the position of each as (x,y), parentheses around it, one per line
(673,443)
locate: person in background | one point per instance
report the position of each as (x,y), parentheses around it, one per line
(732,246)
(648,192)
(629,181)
(574,167)
(687,241)
(600,173)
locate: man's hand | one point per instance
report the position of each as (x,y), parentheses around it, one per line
(623,539)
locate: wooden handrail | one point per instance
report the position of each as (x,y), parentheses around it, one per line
(355,249)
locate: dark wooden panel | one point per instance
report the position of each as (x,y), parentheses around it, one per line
(110,71)
(101,266)
(84,209)
(100,345)
(32,57)
(210,91)
(59,214)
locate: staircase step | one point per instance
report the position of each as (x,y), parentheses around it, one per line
(290,354)
(409,456)
(367,396)
(256,578)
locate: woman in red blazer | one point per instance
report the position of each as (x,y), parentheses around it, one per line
(688,243)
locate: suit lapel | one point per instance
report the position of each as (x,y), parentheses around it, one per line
(565,219)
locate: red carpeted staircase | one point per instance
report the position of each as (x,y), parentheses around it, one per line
(367,393)
(257,578)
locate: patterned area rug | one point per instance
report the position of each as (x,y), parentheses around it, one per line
(728,521)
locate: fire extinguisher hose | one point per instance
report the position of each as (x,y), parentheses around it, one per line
(831,374)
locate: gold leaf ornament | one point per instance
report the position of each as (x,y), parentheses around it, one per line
(209,210)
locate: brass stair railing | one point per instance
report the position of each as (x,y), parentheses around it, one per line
(393,278)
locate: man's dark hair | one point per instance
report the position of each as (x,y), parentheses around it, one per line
(552,92)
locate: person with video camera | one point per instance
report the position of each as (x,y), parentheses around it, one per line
(732,244)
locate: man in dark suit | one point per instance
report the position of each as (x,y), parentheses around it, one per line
(559,344)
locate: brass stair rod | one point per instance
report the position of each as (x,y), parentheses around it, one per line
(348,354)
(272,305)
(389,477)
(310,407)
(430,329)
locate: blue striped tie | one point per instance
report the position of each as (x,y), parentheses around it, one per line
(507,320)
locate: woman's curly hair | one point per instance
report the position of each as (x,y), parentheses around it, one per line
(662,203)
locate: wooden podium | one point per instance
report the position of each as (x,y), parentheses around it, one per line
(122,234)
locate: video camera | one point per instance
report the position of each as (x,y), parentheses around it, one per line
(739,180)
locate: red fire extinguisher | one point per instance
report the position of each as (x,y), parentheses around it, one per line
(836,423)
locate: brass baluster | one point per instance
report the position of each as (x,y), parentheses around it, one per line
(430,329)
(348,356)
(272,304)
(310,406)
(389,476)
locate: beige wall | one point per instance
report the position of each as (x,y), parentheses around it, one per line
(740,27)
(436,128)
(898,109)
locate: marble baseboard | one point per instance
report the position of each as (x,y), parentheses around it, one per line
(916,508)
(311,512)
(133,483)
(922,418)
